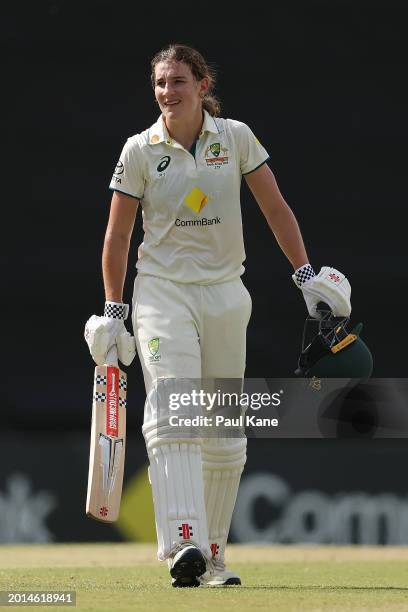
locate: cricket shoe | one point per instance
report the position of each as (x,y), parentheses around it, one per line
(186,566)
(218,576)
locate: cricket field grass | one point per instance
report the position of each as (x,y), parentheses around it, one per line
(280,578)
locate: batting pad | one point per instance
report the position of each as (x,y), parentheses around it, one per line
(223,461)
(175,473)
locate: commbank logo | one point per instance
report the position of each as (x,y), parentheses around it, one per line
(196,200)
(197,222)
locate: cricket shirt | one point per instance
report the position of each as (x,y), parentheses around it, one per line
(190,199)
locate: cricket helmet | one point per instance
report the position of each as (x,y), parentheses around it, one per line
(330,350)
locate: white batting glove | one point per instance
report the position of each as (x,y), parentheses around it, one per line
(329,286)
(101,333)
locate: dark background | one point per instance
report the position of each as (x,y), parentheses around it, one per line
(323,86)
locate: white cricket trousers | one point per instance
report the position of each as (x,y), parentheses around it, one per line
(194,331)
(188,331)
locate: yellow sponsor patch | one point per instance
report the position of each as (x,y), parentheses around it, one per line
(196,200)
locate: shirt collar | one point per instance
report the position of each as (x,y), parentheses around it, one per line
(209,124)
(158,132)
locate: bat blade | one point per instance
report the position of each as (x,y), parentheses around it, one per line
(108,443)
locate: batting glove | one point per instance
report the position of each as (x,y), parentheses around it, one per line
(101,333)
(329,286)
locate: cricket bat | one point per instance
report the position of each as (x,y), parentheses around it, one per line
(108,441)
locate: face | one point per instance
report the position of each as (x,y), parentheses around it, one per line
(177,91)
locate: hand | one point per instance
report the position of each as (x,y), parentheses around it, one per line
(101,333)
(329,286)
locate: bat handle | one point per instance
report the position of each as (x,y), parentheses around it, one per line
(112,356)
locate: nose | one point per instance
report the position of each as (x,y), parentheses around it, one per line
(168,88)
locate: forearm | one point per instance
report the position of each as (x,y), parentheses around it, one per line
(114,265)
(285,227)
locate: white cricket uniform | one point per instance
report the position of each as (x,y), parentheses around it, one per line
(191,204)
(192,237)
(190,307)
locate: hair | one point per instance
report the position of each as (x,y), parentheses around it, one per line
(199,68)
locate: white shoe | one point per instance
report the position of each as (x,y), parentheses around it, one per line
(218,576)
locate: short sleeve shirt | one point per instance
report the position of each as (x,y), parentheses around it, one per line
(190,199)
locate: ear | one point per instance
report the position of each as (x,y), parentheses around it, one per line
(203,87)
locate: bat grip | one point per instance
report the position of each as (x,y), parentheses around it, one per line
(112,356)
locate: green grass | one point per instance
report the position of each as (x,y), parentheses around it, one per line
(127,577)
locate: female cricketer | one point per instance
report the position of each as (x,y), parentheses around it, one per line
(190,307)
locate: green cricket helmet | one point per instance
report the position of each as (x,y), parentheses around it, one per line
(330,350)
